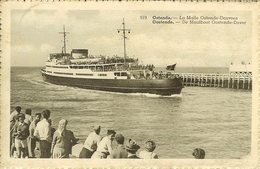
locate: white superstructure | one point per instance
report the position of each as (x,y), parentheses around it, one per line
(93,71)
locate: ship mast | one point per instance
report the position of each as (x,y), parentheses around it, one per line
(64,39)
(124,31)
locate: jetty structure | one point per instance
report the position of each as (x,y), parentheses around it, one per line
(113,74)
(239,77)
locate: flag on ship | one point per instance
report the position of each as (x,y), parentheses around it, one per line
(171,67)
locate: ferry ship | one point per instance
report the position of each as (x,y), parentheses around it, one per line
(115,74)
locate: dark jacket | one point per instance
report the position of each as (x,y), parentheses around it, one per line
(23,129)
(65,141)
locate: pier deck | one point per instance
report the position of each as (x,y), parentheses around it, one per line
(235,81)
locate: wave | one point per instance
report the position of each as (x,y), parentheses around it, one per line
(155,95)
(139,94)
(36,82)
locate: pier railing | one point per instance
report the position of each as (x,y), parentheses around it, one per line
(235,81)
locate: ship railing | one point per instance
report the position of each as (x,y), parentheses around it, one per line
(147,74)
(43,70)
(117,68)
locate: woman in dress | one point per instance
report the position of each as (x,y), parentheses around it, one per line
(63,140)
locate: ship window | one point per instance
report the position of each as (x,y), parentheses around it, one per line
(117,73)
(74,67)
(48,66)
(49,72)
(63,73)
(102,74)
(84,74)
(123,74)
(60,67)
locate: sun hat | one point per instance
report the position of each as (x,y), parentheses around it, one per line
(150,145)
(132,145)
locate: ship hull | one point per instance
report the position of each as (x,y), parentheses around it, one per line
(163,87)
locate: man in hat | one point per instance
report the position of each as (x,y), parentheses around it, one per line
(105,146)
(91,143)
(21,132)
(131,148)
(120,151)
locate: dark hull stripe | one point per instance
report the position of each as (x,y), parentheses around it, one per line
(158,86)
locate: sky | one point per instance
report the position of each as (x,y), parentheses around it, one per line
(35,34)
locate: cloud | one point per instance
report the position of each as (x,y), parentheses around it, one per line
(23,48)
(37,31)
(40,19)
(47,48)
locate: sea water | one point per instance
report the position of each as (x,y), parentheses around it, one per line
(215,119)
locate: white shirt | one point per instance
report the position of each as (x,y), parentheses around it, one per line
(42,130)
(13,114)
(105,145)
(147,155)
(92,141)
(28,119)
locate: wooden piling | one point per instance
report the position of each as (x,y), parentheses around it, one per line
(235,81)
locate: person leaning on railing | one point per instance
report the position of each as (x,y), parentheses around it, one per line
(63,140)
(91,143)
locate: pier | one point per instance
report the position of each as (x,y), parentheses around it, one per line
(232,80)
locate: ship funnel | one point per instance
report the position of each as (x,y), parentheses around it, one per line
(79,53)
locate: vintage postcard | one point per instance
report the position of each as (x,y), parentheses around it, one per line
(129,85)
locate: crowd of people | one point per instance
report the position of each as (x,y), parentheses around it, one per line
(26,131)
(96,147)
